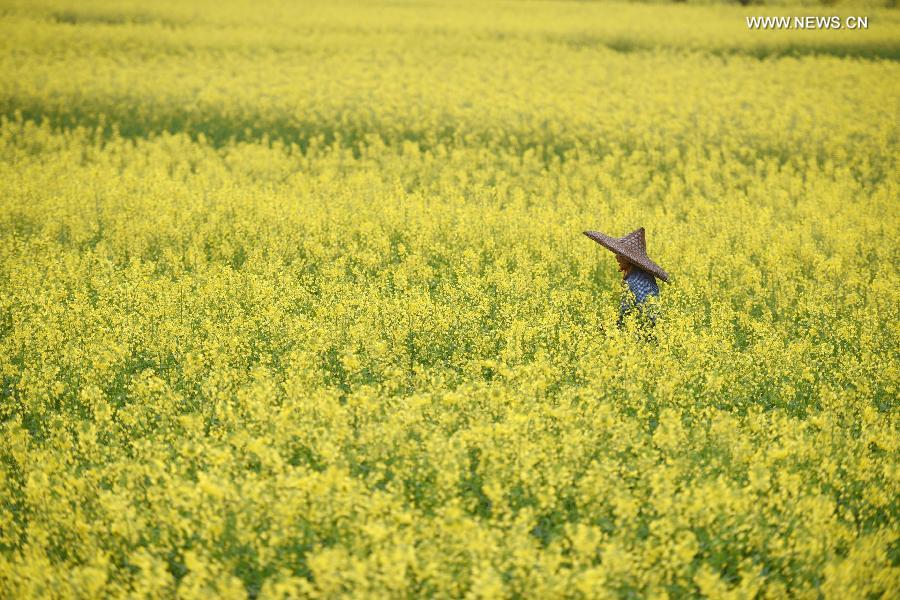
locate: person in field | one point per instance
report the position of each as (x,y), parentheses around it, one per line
(638,272)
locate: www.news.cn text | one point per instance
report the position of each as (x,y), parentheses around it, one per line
(814,22)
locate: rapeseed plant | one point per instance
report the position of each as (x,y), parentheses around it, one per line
(294,302)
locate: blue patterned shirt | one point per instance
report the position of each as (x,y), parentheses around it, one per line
(641,285)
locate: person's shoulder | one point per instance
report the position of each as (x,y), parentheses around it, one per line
(647,282)
(639,274)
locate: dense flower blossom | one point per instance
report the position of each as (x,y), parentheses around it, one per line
(294,302)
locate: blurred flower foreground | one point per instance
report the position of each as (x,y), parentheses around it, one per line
(294,302)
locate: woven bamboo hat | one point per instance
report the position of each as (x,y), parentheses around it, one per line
(632,247)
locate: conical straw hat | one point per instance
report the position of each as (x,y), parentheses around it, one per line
(632,247)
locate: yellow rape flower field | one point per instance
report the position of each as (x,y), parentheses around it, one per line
(295,303)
